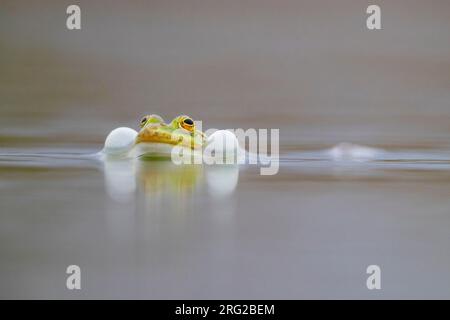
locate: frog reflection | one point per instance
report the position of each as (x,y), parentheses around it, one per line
(125,178)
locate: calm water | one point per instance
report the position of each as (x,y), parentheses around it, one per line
(154,230)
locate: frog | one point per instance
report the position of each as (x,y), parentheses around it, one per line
(157,139)
(181,131)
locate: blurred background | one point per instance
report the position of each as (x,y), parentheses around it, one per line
(310,68)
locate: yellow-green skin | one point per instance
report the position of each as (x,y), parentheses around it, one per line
(180,131)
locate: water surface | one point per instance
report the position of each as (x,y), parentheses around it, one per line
(151,229)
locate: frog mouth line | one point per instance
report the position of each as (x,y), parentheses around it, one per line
(149,135)
(153,135)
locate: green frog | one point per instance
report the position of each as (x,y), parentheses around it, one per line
(157,139)
(180,131)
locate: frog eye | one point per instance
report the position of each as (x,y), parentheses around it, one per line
(152,118)
(188,124)
(143,121)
